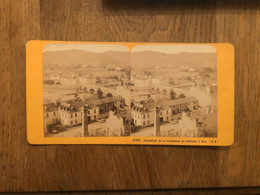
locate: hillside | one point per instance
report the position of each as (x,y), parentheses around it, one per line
(80,57)
(149,59)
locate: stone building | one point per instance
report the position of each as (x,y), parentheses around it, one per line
(68,113)
(187,126)
(114,125)
(143,112)
(50,115)
(108,103)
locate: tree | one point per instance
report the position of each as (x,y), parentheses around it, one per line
(149,97)
(99,93)
(172,94)
(91,91)
(182,96)
(76,95)
(109,95)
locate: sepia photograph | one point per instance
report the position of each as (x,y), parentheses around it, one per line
(109,90)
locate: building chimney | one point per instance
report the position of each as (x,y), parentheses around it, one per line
(157,121)
(85,121)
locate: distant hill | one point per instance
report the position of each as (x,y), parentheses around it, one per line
(80,57)
(140,60)
(149,59)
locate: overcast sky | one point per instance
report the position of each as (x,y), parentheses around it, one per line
(172,49)
(100,48)
(96,48)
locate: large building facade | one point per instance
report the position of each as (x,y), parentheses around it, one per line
(67,114)
(108,103)
(143,113)
(114,125)
(50,115)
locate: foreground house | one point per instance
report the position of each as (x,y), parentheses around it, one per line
(50,115)
(108,103)
(68,113)
(143,113)
(114,125)
(118,124)
(71,113)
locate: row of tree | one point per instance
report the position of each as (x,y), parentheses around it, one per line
(99,92)
(173,94)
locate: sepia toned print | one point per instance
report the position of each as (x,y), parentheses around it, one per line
(95,90)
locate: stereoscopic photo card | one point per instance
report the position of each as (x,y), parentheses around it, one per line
(130,93)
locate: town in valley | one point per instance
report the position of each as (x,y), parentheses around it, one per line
(118,93)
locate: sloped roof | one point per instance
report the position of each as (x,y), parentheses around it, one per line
(150,106)
(50,107)
(169,103)
(72,106)
(146,106)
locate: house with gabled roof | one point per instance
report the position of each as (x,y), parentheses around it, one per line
(143,112)
(108,103)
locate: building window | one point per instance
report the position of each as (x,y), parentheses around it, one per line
(135,121)
(94,111)
(75,114)
(148,115)
(148,122)
(161,113)
(54,113)
(167,118)
(88,112)
(167,112)
(144,123)
(76,121)
(71,115)
(47,115)
(144,116)
(53,120)
(95,117)
(71,122)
